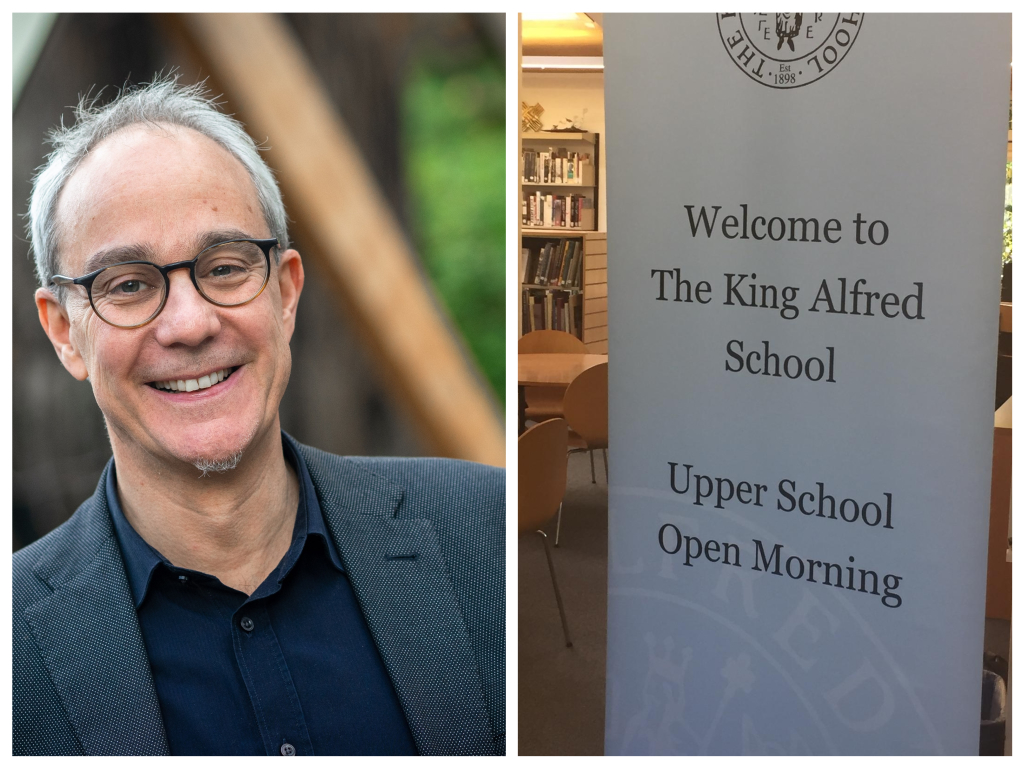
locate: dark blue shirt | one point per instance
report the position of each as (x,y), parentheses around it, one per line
(290,669)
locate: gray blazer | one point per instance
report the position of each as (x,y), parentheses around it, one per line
(422,541)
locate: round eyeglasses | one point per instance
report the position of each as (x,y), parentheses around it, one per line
(132,293)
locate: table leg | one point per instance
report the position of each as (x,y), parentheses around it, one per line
(522,409)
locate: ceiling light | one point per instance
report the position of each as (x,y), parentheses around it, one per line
(563,63)
(551,16)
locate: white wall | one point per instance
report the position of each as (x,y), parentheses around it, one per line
(564,95)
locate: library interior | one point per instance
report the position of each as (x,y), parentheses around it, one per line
(563,385)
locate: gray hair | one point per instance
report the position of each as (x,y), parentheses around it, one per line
(161,102)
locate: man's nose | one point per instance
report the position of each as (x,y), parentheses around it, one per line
(187,318)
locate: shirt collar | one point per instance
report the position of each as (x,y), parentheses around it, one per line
(141,559)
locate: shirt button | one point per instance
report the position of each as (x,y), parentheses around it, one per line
(247,625)
(287,749)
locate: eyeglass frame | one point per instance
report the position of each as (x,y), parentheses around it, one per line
(190,264)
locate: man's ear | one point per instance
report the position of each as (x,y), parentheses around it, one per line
(54,319)
(291,277)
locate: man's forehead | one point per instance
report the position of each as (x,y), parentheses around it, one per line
(152,155)
(151,144)
(164,181)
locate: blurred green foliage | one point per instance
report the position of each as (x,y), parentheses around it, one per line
(453,133)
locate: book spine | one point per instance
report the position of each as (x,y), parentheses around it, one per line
(553,265)
(563,273)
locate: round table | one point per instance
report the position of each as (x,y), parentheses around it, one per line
(551,369)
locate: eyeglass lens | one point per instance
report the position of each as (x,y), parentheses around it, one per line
(227,274)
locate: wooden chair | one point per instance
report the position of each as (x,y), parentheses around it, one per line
(542,473)
(543,403)
(586,410)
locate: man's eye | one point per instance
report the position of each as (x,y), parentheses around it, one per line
(222,270)
(128,287)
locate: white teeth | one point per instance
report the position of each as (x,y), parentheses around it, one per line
(191,385)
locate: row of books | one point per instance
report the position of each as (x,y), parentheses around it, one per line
(540,210)
(556,166)
(558,264)
(545,310)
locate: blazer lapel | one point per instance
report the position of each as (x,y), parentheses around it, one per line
(89,639)
(400,578)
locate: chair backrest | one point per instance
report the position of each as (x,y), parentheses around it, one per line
(550,341)
(542,467)
(586,405)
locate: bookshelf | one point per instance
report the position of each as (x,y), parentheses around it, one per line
(564,284)
(559,181)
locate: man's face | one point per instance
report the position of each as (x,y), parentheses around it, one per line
(157,193)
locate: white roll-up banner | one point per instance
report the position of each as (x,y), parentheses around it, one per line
(804,227)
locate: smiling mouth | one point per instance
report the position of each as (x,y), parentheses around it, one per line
(193,385)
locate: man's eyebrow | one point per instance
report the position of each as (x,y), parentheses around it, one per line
(205,240)
(117,255)
(140,252)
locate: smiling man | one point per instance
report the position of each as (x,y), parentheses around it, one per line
(228,590)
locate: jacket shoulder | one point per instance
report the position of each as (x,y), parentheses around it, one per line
(40,725)
(445,481)
(430,487)
(62,553)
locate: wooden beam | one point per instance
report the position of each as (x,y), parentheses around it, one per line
(345,221)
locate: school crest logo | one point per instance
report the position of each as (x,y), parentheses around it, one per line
(788,50)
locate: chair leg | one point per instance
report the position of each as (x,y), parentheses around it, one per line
(593,476)
(605,452)
(558,525)
(558,594)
